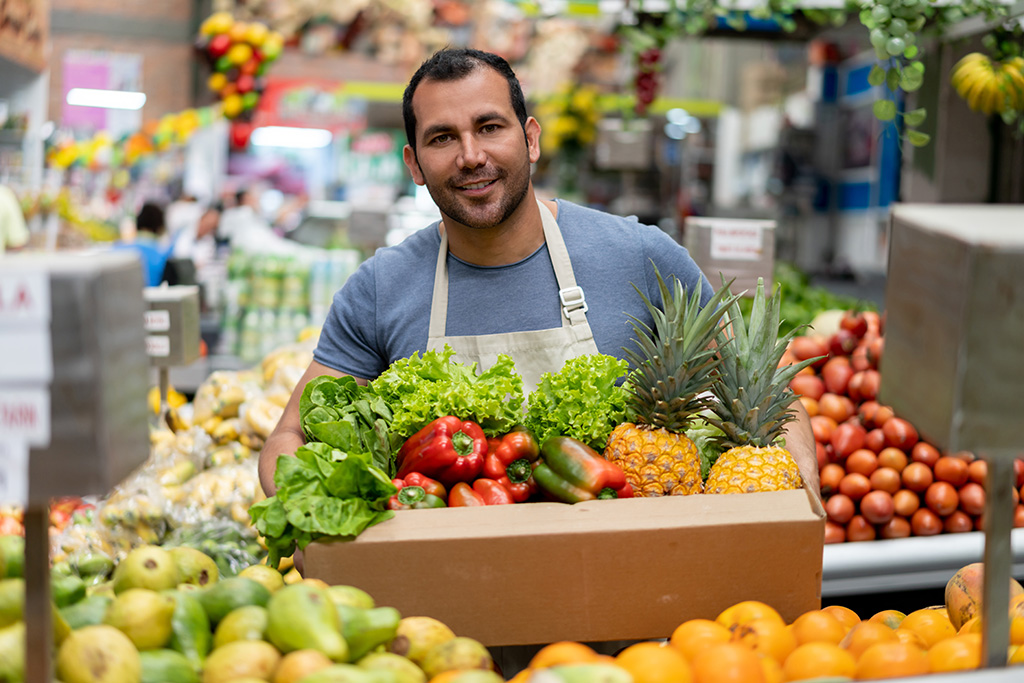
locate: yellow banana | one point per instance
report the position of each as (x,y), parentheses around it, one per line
(965,67)
(976,92)
(1015,84)
(971,75)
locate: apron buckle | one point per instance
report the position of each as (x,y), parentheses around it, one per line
(573,300)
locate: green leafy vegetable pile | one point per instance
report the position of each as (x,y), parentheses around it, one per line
(352,418)
(322,491)
(420,389)
(581,400)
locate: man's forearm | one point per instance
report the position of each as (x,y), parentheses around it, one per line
(281,442)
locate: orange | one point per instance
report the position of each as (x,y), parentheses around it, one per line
(932,625)
(818,626)
(562,652)
(910,638)
(696,635)
(846,616)
(745,611)
(975,625)
(727,663)
(864,635)
(818,660)
(654,663)
(1017,606)
(890,617)
(891,660)
(972,625)
(1017,656)
(766,637)
(955,654)
(772,671)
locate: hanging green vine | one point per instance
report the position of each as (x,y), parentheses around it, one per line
(895,29)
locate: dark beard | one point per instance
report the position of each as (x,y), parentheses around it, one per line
(516,186)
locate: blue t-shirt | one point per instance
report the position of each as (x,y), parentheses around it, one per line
(383,311)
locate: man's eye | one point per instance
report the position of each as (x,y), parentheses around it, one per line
(490,128)
(440,139)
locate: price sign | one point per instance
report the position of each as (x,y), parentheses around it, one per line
(13,472)
(736,242)
(25,354)
(25,415)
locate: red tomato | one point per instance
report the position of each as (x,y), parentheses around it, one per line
(875,440)
(859,360)
(977,472)
(959,522)
(952,470)
(972,498)
(897,527)
(856,486)
(1018,517)
(810,405)
(966,456)
(855,322)
(917,477)
(839,408)
(883,415)
(841,344)
(886,479)
(941,498)
(899,433)
(906,502)
(847,438)
(863,385)
(892,457)
(808,385)
(834,533)
(859,529)
(877,507)
(866,412)
(924,522)
(839,508)
(822,427)
(836,374)
(861,461)
(820,454)
(812,346)
(875,348)
(925,452)
(1018,467)
(830,475)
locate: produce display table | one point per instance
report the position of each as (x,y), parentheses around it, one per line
(906,563)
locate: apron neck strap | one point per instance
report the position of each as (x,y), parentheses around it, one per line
(571,298)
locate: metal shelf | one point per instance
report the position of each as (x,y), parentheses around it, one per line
(907,563)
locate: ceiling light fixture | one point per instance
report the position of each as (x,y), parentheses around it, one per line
(106,99)
(286,136)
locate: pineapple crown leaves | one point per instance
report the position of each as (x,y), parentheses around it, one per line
(675,362)
(752,391)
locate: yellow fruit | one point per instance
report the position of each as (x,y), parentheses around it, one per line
(268,576)
(657,462)
(298,664)
(654,663)
(747,469)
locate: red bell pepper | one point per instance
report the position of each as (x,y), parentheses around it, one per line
(573,472)
(462,495)
(510,461)
(414,498)
(448,450)
(431,486)
(493,492)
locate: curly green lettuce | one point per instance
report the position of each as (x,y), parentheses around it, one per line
(420,389)
(583,400)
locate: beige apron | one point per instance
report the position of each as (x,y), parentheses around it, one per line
(536,351)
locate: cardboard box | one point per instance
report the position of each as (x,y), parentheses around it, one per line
(740,248)
(602,570)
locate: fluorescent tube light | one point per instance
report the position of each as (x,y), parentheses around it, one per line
(286,136)
(106,99)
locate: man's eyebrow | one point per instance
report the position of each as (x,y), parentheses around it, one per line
(478,121)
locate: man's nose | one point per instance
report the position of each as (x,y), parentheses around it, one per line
(472,154)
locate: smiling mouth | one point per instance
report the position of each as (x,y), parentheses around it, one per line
(476,186)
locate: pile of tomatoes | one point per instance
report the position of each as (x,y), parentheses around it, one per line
(879,477)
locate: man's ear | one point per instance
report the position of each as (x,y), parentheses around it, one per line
(409,157)
(532,129)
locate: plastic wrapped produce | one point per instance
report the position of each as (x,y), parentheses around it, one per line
(219,492)
(233,546)
(221,395)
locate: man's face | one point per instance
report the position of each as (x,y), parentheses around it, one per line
(471,152)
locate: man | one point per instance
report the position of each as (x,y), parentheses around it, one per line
(541,281)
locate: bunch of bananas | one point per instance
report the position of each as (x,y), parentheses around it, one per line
(991,87)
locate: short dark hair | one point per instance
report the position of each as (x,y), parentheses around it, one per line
(452,64)
(150,218)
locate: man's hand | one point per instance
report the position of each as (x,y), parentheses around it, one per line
(287,435)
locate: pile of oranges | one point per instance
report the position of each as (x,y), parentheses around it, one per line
(750,642)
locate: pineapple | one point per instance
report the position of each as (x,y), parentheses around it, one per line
(668,385)
(753,399)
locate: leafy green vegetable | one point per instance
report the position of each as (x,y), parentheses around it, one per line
(352,418)
(420,389)
(581,400)
(322,491)
(705,436)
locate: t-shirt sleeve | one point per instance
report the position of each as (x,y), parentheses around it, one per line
(671,258)
(348,340)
